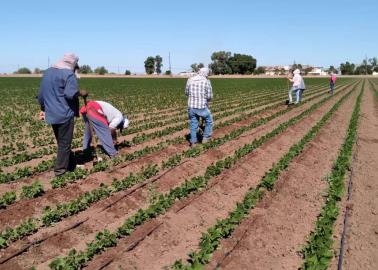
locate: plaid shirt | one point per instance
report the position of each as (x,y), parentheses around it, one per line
(199,92)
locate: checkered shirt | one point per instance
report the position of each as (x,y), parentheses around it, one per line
(199,92)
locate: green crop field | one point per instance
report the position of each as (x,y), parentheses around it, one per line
(163,205)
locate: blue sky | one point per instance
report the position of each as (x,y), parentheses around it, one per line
(123,33)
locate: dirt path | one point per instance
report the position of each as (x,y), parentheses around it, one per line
(362,232)
(181,230)
(271,237)
(24,208)
(117,214)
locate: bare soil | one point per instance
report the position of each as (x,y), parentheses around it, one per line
(272,236)
(362,231)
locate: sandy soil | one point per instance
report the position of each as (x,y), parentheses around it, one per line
(362,230)
(117,214)
(272,236)
(181,230)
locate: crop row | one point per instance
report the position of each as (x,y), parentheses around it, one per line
(45,165)
(105,239)
(318,251)
(82,173)
(210,240)
(52,215)
(13,120)
(22,157)
(55,214)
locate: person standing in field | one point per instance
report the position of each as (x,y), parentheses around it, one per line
(199,92)
(298,87)
(59,100)
(105,120)
(332,82)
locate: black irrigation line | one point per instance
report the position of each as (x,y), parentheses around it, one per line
(346,216)
(347,210)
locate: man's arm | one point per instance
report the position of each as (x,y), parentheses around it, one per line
(71,90)
(187,88)
(41,102)
(113,132)
(209,91)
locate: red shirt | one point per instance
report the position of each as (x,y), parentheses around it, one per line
(94,111)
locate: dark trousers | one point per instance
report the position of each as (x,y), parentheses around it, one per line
(65,160)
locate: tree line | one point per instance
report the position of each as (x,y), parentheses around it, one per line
(223,62)
(366,67)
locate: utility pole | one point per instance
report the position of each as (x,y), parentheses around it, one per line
(48,61)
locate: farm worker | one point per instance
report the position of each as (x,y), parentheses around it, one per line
(105,120)
(298,87)
(59,100)
(199,92)
(332,82)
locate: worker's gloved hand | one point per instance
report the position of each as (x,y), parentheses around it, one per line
(83,93)
(41,115)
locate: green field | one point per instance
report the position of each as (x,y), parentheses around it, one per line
(101,210)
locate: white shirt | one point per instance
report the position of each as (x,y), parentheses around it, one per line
(297,80)
(112,114)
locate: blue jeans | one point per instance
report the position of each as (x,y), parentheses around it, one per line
(332,87)
(103,134)
(299,95)
(194,116)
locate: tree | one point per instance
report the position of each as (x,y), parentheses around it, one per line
(296,66)
(158,64)
(347,68)
(373,61)
(332,69)
(23,70)
(37,71)
(149,65)
(259,70)
(101,70)
(127,72)
(242,64)
(168,72)
(85,69)
(220,63)
(196,67)
(307,70)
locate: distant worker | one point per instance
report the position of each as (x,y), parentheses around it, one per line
(199,92)
(59,100)
(104,119)
(298,87)
(332,82)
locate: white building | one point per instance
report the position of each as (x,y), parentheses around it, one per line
(319,71)
(186,74)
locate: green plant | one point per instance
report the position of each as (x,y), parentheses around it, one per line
(32,191)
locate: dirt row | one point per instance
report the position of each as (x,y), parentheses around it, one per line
(276,230)
(181,230)
(361,243)
(129,137)
(175,111)
(114,216)
(44,178)
(235,102)
(25,208)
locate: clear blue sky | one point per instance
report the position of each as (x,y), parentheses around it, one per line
(124,33)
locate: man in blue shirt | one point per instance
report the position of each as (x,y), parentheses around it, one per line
(59,99)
